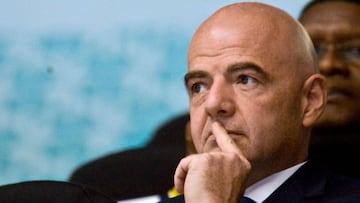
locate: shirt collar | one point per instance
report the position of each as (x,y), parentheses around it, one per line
(263,188)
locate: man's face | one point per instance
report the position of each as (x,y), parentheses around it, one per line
(335,30)
(243,78)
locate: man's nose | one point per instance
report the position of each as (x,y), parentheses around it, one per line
(220,99)
(332,64)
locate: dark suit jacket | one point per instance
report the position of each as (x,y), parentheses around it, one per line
(312,183)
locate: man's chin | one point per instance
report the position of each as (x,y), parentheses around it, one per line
(328,124)
(334,118)
(335,128)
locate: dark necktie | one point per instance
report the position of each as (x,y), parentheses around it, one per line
(246,200)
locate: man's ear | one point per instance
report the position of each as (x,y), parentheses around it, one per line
(314,99)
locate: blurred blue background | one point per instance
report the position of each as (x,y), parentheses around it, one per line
(80,79)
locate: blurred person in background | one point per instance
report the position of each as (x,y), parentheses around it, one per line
(334,27)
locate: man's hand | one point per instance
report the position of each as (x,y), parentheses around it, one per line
(215,176)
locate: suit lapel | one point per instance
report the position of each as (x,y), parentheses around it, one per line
(305,185)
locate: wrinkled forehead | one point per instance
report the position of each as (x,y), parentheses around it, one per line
(241,40)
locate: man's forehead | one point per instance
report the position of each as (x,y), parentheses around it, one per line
(221,37)
(234,43)
(335,12)
(262,34)
(259,25)
(341,26)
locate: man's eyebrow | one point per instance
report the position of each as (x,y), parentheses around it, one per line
(195,74)
(247,66)
(241,66)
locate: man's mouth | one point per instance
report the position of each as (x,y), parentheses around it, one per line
(231,133)
(336,94)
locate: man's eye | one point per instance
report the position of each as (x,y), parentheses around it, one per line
(320,50)
(352,52)
(197,88)
(244,79)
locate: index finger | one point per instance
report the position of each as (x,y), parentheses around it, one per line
(181,173)
(224,140)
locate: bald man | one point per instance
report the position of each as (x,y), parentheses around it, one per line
(255,93)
